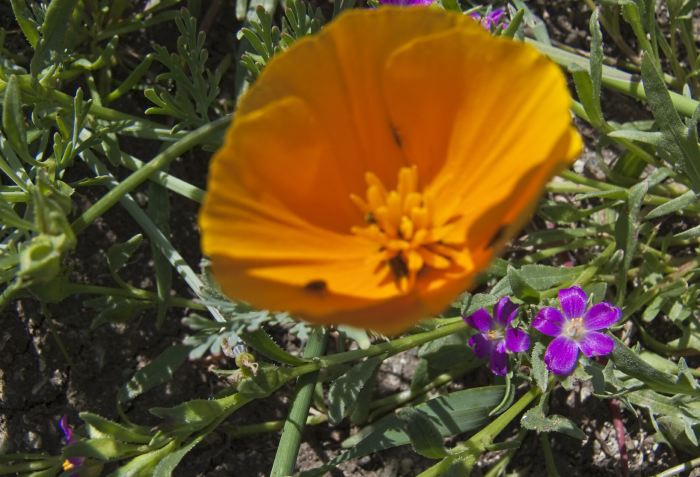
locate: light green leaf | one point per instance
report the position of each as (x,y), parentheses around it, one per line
(105,427)
(674,205)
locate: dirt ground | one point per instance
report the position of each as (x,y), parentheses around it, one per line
(52,363)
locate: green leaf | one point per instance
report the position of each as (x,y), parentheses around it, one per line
(344,391)
(586,94)
(105,448)
(53,33)
(105,427)
(596,61)
(166,466)
(159,371)
(263,383)
(521,286)
(674,205)
(13,120)
(471,303)
(194,415)
(689,234)
(262,342)
(141,465)
(631,364)
(539,370)
(669,121)
(534,419)
(453,413)
(627,231)
(425,437)
(26,21)
(356,334)
(119,254)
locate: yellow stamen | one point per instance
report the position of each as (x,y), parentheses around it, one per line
(68,465)
(401,222)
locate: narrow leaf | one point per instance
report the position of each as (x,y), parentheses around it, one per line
(159,371)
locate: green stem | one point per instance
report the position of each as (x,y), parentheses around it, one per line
(175,150)
(452,325)
(245,430)
(613,78)
(180,302)
(288,448)
(479,442)
(685,466)
(548,456)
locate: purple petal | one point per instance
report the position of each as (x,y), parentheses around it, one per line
(573,302)
(495,15)
(517,340)
(505,311)
(561,355)
(601,315)
(480,319)
(481,345)
(596,344)
(499,359)
(66,429)
(548,321)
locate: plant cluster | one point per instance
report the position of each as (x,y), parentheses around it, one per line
(615,240)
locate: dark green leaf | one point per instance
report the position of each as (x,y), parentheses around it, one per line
(166,466)
(344,391)
(53,33)
(669,121)
(535,420)
(119,254)
(539,370)
(159,371)
(425,437)
(13,120)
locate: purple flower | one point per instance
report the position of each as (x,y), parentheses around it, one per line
(576,329)
(405,3)
(491,19)
(496,335)
(72,462)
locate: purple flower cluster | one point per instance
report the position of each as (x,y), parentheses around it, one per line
(496,335)
(492,19)
(576,327)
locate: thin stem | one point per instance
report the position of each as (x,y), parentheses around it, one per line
(175,150)
(548,456)
(288,448)
(180,302)
(675,470)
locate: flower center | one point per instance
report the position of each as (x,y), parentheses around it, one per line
(494,335)
(574,328)
(401,222)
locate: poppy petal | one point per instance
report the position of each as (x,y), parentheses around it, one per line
(517,340)
(596,344)
(479,117)
(600,316)
(548,321)
(573,302)
(480,319)
(561,355)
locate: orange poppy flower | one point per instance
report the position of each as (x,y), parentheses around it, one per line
(374,169)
